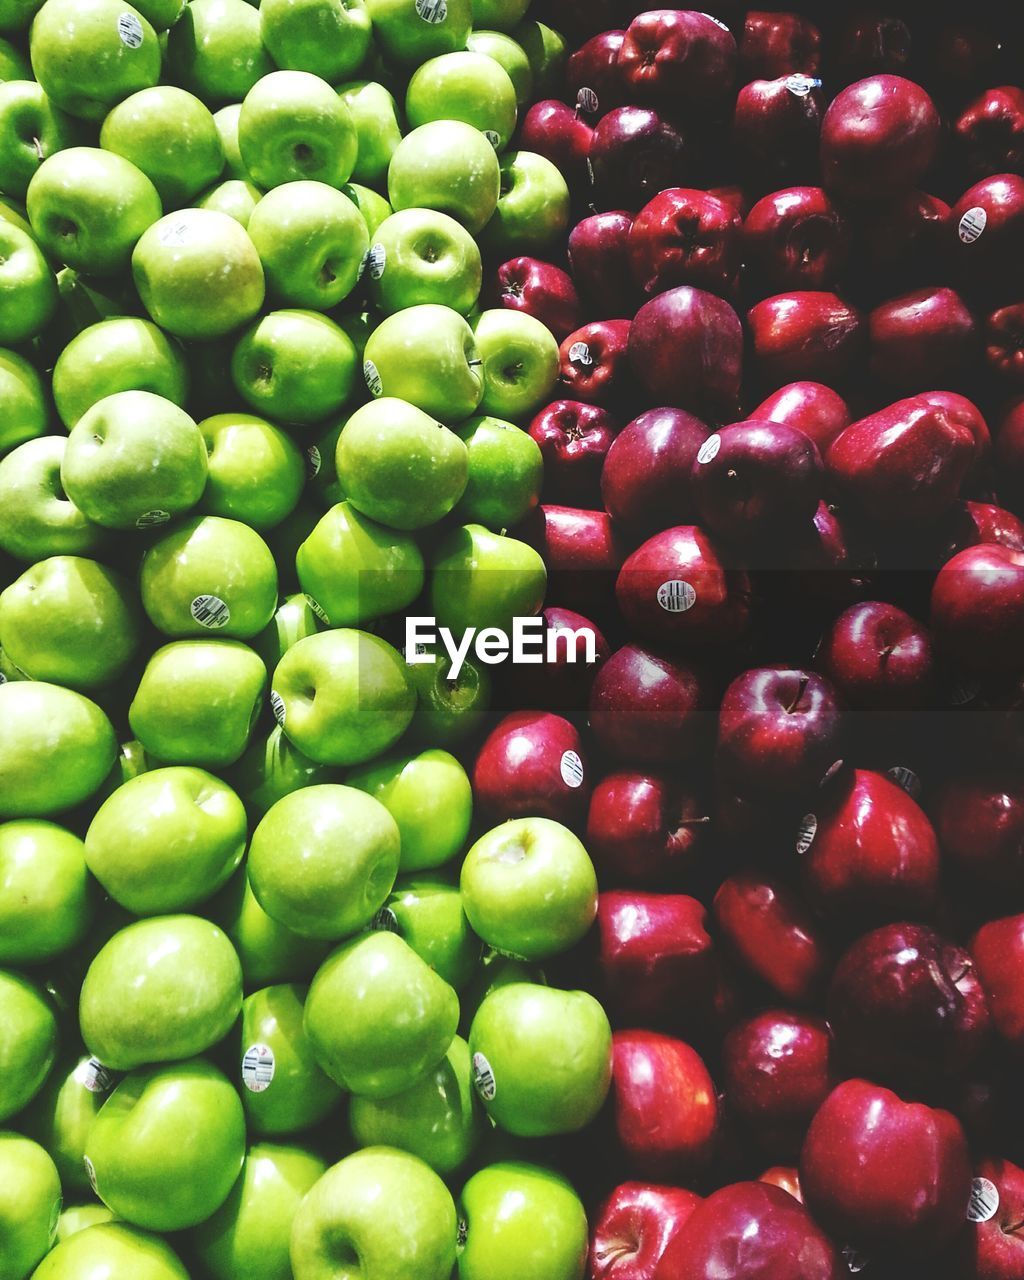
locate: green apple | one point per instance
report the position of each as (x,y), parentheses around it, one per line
(166,840)
(533,209)
(268,952)
(378,1017)
(113,1250)
(23,411)
(448,711)
(14,65)
(311,240)
(161,14)
(286,538)
(520,358)
(342,696)
(61,1115)
(167,1146)
(372,206)
(130,763)
(409,32)
(28,1042)
(506,472)
(71,621)
(546,50)
(30,1201)
(426,355)
(293,620)
(28,289)
(46,898)
(56,748)
(215,50)
(226,120)
(529,888)
(198,273)
(429,796)
(237,197)
(31,129)
(437,1119)
(509,55)
(346,1227)
(84,301)
(294,126)
(323,860)
(522,1220)
(209,574)
(329,38)
(542,1058)
(160,990)
(89,54)
(284,1091)
(426,910)
(465,86)
(249,1234)
(272,768)
(449,166)
(399,466)
(375,114)
(122,354)
(493,972)
(422,256)
(256,472)
(498,15)
(354,570)
(484,579)
(171,136)
(80,1217)
(197,702)
(37,519)
(133,461)
(296,366)
(14,213)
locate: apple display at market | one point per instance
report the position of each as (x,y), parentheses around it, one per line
(511,640)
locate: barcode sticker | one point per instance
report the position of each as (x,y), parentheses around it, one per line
(483,1078)
(587,100)
(151,519)
(210,612)
(801,85)
(317,609)
(572,769)
(277,707)
(90,1173)
(432,11)
(493,138)
(315,460)
(129,28)
(461,1235)
(907,779)
(258,1068)
(94,1076)
(376,260)
(972,224)
(385,921)
(676,596)
(372,378)
(579,353)
(708,451)
(984,1201)
(806,832)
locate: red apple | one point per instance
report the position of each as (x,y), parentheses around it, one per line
(805,335)
(599,261)
(922,338)
(785,1176)
(971,523)
(987,237)
(879,657)
(645,829)
(582,552)
(994,1244)
(904,243)
(998,951)
(561,135)
(978,607)
(684,236)
(633,1227)
(1004,343)
(645,483)
(677,58)
(594,362)
(776,129)
(870,42)
(574,438)
(824,564)
(979,820)
(962,52)
(777,44)
(990,132)
(532,764)
(1008,456)
(795,239)
(541,290)
(969,415)
(561,685)
(635,153)
(592,81)
(811,407)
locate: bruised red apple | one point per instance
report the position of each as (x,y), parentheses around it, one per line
(677,58)
(633,1228)
(777,44)
(990,132)
(977,610)
(599,261)
(634,154)
(796,239)
(805,335)
(811,407)
(879,657)
(574,439)
(541,290)
(684,236)
(645,483)
(594,362)
(532,764)
(645,829)
(921,339)
(776,129)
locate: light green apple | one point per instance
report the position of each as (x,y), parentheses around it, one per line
(197,702)
(28,1042)
(286,538)
(449,166)
(31,129)
(429,796)
(343,696)
(171,136)
(215,50)
(272,768)
(542,1058)
(438,1119)
(71,621)
(448,711)
(14,65)
(323,470)
(122,354)
(520,358)
(84,301)
(268,951)
(209,574)
(198,273)
(13,212)
(378,1017)
(408,32)
(30,1201)
(484,579)
(294,126)
(113,1250)
(28,289)
(372,206)
(56,748)
(426,910)
(426,355)
(160,990)
(80,1217)
(522,1220)
(511,56)
(23,411)
(311,240)
(506,472)
(133,461)
(167,1146)
(354,570)
(493,972)
(226,120)
(422,256)
(329,38)
(161,14)
(295,366)
(237,197)
(37,519)
(533,209)
(498,15)
(166,840)
(256,472)
(46,898)
(283,1089)
(89,54)
(399,466)
(546,50)
(375,114)
(323,860)
(131,761)
(61,1115)
(465,86)
(250,1233)
(293,620)
(529,888)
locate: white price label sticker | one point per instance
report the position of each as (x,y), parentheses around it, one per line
(94,1076)
(579,353)
(806,832)
(385,921)
(258,1068)
(708,451)
(211,612)
(587,100)
(493,138)
(372,378)
(129,28)
(375,261)
(314,459)
(676,596)
(984,1201)
(277,707)
(800,86)
(483,1078)
(432,11)
(572,769)
(317,609)
(972,224)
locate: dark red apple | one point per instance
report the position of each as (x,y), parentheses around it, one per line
(994,1244)
(532,764)
(645,483)
(904,243)
(633,1227)
(805,335)
(777,44)
(684,236)
(796,239)
(1008,456)
(962,52)
(599,261)
(987,237)
(574,438)
(971,523)
(677,58)
(541,290)
(594,362)
(990,132)
(998,951)
(978,607)
(922,338)
(824,564)
(635,153)
(582,552)
(560,684)
(776,129)
(969,415)
(879,657)
(648,709)
(645,829)
(871,42)
(811,407)
(979,820)
(561,135)
(592,82)
(1004,343)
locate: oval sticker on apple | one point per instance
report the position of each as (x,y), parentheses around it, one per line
(129,28)
(210,611)
(905,778)
(432,11)
(801,85)
(90,1173)
(258,1068)
(676,596)
(572,769)
(314,459)
(372,378)
(151,519)
(277,707)
(708,451)
(587,100)
(483,1078)
(376,260)
(579,353)
(317,609)
(972,224)
(984,1201)
(94,1076)
(806,832)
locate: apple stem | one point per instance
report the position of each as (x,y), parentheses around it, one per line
(804,682)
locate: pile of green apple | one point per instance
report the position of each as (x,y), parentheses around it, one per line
(270,1003)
